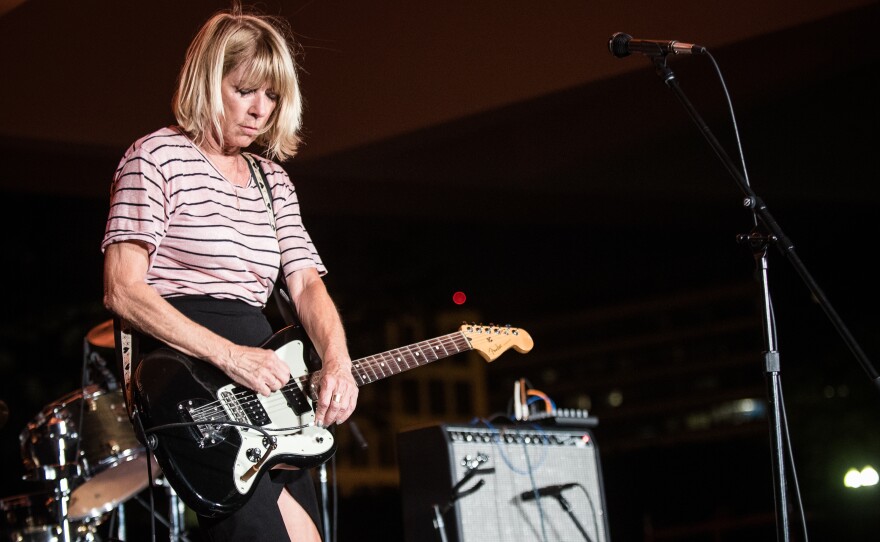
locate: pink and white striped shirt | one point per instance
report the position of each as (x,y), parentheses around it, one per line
(206,236)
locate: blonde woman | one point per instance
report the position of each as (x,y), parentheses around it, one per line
(192,250)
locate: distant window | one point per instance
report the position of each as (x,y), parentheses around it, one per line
(409,389)
(464,399)
(436,397)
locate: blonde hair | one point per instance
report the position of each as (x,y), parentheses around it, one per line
(230,39)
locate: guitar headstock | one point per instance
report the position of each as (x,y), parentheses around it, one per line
(491,341)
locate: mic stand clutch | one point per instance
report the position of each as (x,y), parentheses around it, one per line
(759,244)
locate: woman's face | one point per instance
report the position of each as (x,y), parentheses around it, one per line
(246,110)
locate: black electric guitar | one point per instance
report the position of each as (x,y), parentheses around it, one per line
(214,439)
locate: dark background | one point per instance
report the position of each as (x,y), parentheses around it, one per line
(588,196)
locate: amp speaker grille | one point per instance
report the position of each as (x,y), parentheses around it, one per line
(511,462)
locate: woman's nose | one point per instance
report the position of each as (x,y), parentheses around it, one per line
(261,106)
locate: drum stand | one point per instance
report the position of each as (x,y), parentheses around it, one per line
(62,495)
(121,531)
(175,512)
(175,523)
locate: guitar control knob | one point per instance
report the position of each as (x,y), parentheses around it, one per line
(254,454)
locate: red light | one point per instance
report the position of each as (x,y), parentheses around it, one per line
(459,298)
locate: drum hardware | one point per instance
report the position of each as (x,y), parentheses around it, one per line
(63,495)
(85,444)
(102,335)
(37,517)
(121,526)
(176,509)
(87,436)
(100,338)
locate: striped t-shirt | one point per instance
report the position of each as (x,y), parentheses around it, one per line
(206,236)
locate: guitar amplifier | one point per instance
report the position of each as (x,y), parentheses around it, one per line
(471,484)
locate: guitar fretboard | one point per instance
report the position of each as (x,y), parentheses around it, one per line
(392,362)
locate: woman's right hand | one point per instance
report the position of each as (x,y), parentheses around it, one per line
(258,369)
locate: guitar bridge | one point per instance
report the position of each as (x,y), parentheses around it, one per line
(204,433)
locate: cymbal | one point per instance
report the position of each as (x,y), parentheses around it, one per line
(102,335)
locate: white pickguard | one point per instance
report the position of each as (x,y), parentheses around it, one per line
(296,435)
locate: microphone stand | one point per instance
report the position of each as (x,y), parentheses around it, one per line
(563,502)
(472,465)
(325,501)
(759,243)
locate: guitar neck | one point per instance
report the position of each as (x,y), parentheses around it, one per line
(489,341)
(392,362)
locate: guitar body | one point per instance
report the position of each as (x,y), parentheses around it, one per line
(215,439)
(214,466)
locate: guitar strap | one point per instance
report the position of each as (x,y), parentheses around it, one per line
(282,298)
(257,173)
(126,350)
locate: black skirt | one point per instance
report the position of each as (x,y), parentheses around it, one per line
(259,519)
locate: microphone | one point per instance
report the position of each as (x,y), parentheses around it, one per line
(622,45)
(546,491)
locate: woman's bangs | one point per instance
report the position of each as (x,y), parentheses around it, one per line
(262,68)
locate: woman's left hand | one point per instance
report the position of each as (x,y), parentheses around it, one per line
(337,394)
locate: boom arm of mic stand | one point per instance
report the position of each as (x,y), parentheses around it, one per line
(759,208)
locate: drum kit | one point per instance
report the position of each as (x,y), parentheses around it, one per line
(83,446)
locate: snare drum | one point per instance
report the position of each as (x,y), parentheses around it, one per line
(88,435)
(33,517)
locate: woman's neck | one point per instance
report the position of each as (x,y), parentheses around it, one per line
(228,161)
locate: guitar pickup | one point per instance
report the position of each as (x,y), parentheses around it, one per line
(253,408)
(296,399)
(245,406)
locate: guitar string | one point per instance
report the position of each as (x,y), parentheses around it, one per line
(458,341)
(211,411)
(215,412)
(247,397)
